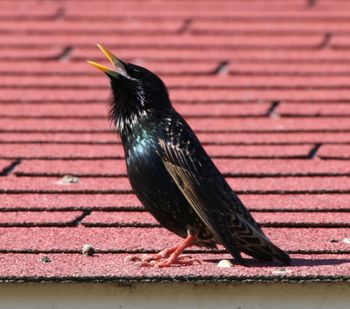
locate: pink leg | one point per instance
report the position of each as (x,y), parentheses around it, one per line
(153,256)
(175,258)
(169,256)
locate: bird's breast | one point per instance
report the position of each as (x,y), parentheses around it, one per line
(142,159)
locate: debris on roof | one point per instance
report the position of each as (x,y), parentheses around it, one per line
(266,86)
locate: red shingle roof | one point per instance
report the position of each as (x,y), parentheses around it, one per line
(266,85)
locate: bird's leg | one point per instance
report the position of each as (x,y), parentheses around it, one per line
(149,259)
(169,256)
(175,258)
(152,257)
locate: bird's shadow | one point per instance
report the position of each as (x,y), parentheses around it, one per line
(295,262)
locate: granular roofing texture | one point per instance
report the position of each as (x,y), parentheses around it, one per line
(265,84)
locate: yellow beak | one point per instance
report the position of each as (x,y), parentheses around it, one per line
(117,64)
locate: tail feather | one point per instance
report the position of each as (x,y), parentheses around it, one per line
(254,243)
(267,253)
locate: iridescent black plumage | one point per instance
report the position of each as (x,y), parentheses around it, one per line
(173,176)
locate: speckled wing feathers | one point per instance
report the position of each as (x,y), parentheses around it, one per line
(210,203)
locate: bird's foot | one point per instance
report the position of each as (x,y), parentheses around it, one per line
(167,257)
(159,260)
(146,259)
(184,260)
(158,256)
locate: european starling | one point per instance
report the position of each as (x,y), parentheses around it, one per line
(173,176)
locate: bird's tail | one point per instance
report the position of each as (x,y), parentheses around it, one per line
(266,251)
(253,242)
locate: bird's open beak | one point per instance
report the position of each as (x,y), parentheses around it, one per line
(118,66)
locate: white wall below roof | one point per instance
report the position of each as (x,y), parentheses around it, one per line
(237,296)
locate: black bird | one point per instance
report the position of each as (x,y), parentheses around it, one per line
(172,174)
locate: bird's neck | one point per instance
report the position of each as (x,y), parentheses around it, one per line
(127,123)
(132,125)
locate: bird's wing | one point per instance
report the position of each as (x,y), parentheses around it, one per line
(207,193)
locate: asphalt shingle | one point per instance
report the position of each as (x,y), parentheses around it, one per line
(265,84)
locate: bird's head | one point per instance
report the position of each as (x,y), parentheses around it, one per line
(136,91)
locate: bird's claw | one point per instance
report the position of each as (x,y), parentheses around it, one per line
(185,260)
(168,256)
(159,261)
